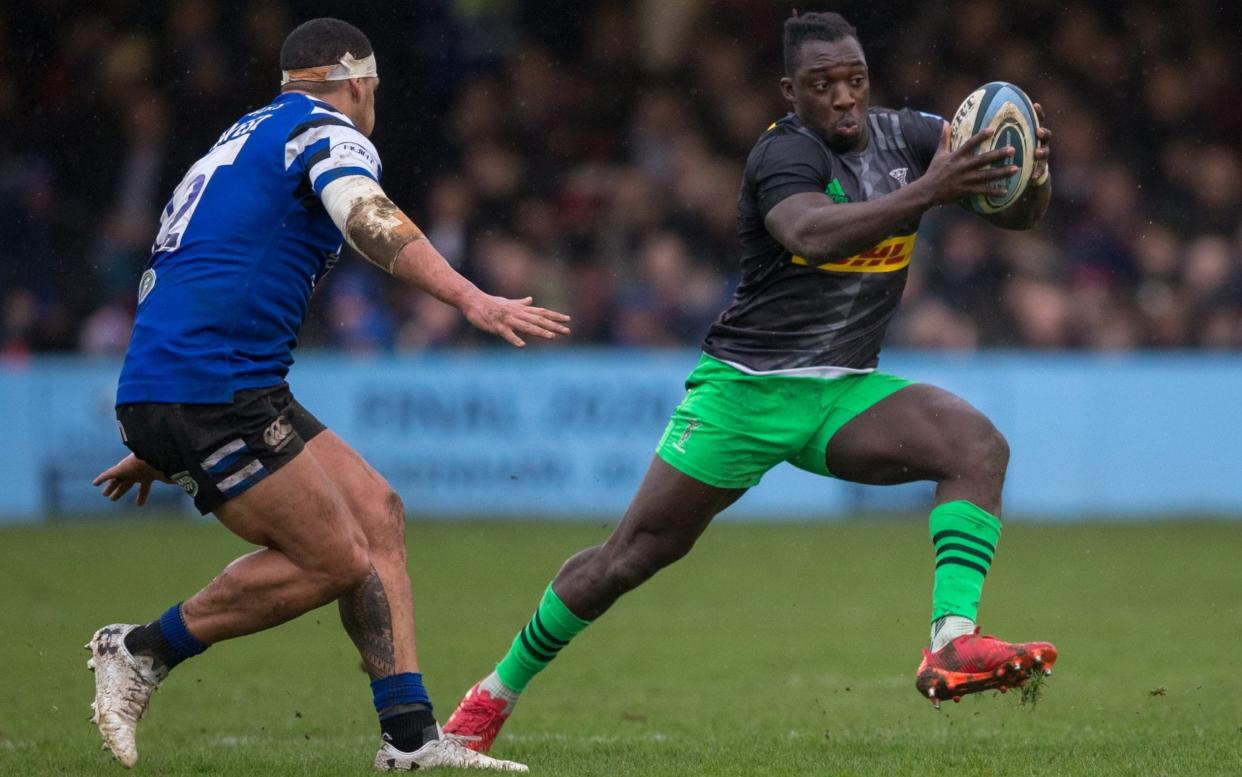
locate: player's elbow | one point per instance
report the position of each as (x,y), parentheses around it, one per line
(827,253)
(812,244)
(371,223)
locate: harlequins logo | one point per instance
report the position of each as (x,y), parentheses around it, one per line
(691,425)
(900,175)
(835,191)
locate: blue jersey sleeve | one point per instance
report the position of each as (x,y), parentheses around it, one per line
(328,146)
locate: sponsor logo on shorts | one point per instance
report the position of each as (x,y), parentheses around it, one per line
(278,434)
(691,425)
(187,483)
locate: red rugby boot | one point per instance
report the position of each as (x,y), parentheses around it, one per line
(973,663)
(478,718)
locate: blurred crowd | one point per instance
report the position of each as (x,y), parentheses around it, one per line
(590,154)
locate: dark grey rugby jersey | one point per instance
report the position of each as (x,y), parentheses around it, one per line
(788,313)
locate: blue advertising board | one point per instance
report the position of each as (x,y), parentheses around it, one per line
(568,433)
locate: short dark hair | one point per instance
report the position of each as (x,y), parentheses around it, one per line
(813,26)
(321,42)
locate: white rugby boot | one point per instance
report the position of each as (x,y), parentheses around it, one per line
(447,752)
(123,687)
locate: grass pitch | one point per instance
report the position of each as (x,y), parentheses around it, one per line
(770,650)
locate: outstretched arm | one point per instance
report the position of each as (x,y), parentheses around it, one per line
(811,226)
(386,237)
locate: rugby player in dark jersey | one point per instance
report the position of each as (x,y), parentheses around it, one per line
(829,208)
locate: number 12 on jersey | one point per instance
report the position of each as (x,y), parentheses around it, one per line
(180,209)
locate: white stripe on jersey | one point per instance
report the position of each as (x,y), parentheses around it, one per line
(299,143)
(348,147)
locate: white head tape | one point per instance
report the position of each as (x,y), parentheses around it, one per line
(347,67)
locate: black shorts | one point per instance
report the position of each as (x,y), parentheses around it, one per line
(216,452)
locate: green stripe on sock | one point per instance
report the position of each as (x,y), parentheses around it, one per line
(551,628)
(964,536)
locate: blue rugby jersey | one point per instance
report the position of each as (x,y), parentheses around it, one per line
(240,247)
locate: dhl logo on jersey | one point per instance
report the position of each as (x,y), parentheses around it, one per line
(887,256)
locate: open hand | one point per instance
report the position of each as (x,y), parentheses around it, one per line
(511,318)
(118,479)
(955,175)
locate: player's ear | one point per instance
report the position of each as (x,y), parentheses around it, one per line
(787,88)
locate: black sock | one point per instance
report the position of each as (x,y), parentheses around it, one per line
(149,641)
(408,727)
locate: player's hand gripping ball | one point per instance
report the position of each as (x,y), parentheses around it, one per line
(1006,109)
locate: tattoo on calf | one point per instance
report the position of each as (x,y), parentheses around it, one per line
(368,621)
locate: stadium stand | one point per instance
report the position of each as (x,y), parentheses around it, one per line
(593,159)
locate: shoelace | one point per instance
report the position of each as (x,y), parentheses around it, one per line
(988,652)
(479,715)
(455,753)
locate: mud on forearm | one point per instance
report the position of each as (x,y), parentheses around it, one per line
(378,230)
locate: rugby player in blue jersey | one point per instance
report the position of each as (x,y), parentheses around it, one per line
(203,403)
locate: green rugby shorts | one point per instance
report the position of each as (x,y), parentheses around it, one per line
(732,427)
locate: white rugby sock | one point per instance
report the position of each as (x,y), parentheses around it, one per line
(949,628)
(499,690)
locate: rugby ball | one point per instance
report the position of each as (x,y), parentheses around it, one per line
(1005,108)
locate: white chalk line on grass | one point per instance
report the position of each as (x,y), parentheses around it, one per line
(593,739)
(554,737)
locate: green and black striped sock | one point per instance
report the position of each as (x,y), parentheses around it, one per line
(550,629)
(965,537)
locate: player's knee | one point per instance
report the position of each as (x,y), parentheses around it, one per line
(346,567)
(984,451)
(356,568)
(389,520)
(394,509)
(995,454)
(1000,451)
(632,566)
(627,572)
